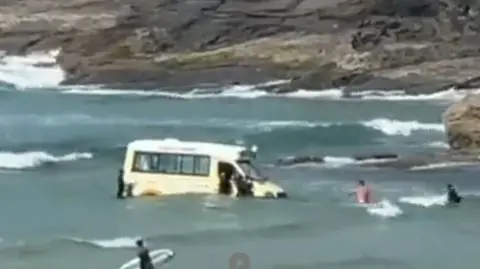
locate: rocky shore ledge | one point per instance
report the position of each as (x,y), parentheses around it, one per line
(422,45)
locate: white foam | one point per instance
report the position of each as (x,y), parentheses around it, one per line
(401,95)
(442,165)
(384,209)
(285,123)
(236,91)
(387,126)
(333,161)
(119,242)
(39,70)
(438,144)
(36,70)
(20,160)
(338,161)
(250,91)
(380,95)
(425,201)
(86,119)
(333,94)
(405,128)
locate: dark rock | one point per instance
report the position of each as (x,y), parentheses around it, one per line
(395,161)
(453,157)
(462,124)
(357,44)
(375,156)
(293,160)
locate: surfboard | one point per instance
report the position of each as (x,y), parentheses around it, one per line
(159,256)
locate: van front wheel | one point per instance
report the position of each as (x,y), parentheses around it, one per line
(269,195)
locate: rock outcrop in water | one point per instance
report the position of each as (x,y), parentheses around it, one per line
(462,123)
(360,44)
(371,158)
(449,158)
(294,160)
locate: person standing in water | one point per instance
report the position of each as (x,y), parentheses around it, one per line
(120,184)
(144,255)
(363,193)
(452,195)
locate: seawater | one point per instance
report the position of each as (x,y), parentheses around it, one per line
(60,148)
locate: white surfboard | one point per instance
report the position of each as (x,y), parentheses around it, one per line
(158,256)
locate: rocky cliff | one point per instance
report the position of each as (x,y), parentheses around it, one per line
(423,45)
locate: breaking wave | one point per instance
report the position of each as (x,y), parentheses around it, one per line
(405,128)
(345,134)
(37,70)
(212,233)
(385,125)
(424,201)
(23,160)
(255,91)
(336,162)
(443,165)
(268,135)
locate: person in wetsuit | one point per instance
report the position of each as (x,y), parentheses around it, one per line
(120,184)
(452,195)
(144,255)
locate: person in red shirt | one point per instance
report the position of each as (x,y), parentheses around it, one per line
(363,193)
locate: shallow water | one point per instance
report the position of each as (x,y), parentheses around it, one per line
(60,154)
(60,148)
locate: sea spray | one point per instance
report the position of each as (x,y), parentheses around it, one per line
(384,209)
(425,200)
(36,70)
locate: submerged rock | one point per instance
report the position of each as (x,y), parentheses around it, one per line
(450,158)
(375,156)
(293,160)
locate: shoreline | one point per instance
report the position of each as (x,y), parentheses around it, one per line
(182,81)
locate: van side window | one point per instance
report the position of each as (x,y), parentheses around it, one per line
(171,164)
(188,163)
(142,163)
(168,164)
(202,165)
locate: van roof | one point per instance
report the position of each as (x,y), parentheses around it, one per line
(187,147)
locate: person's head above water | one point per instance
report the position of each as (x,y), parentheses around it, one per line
(139,243)
(449,186)
(361,183)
